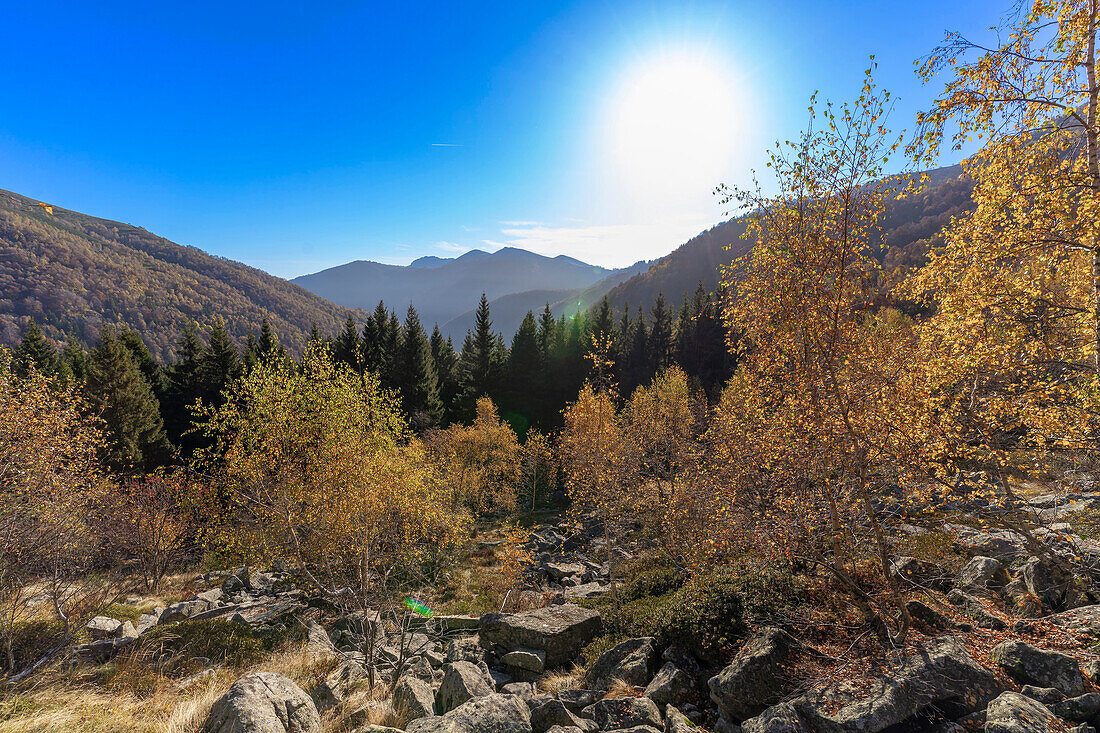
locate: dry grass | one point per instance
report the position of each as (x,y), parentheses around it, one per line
(82,700)
(552,684)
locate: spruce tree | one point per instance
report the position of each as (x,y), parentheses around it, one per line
(373,339)
(446,362)
(220,364)
(118,392)
(480,364)
(525,375)
(34,351)
(347,347)
(184,386)
(269,345)
(660,338)
(152,371)
(419,383)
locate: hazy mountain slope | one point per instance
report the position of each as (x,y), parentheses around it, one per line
(73,273)
(508,310)
(443,289)
(909,227)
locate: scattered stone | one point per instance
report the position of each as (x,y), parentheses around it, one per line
(450,624)
(1034,666)
(531,660)
(975,609)
(1080,709)
(578,700)
(927,616)
(560,631)
(669,685)
(1045,695)
(414,698)
(631,662)
(781,718)
(558,571)
(263,702)
(1004,545)
(677,722)
(1011,712)
(101,651)
(941,677)
(184,610)
(1085,620)
(1050,582)
(757,676)
(464,649)
(489,714)
(103,627)
(462,681)
(554,713)
(982,574)
(615,713)
(331,692)
(920,574)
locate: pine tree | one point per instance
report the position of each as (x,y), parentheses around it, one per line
(347,347)
(660,337)
(547,326)
(603,322)
(120,395)
(373,338)
(251,356)
(72,363)
(184,386)
(446,362)
(525,374)
(419,383)
(480,364)
(34,350)
(269,342)
(152,372)
(220,364)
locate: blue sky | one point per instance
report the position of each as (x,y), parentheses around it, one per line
(297,136)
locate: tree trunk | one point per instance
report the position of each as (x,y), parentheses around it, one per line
(1094,173)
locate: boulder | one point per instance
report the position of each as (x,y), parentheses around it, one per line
(631,662)
(530,660)
(102,650)
(1085,620)
(560,631)
(554,713)
(669,685)
(941,677)
(677,722)
(558,571)
(450,624)
(757,677)
(462,681)
(927,616)
(914,573)
(184,610)
(975,609)
(615,713)
(1004,545)
(1045,695)
(464,649)
(104,627)
(1051,583)
(493,713)
(781,718)
(1011,712)
(414,698)
(563,729)
(263,702)
(1081,709)
(578,700)
(982,574)
(332,691)
(1031,665)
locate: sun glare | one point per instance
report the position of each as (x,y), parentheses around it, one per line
(674,128)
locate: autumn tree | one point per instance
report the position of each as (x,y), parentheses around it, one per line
(1011,349)
(323,472)
(480,462)
(812,396)
(155,522)
(538,466)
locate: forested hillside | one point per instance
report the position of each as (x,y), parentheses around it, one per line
(909,227)
(74,273)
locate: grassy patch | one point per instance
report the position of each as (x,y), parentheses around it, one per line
(173,646)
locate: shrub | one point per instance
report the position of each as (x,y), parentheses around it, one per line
(218,640)
(30,641)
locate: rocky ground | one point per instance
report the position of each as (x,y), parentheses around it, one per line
(1003,643)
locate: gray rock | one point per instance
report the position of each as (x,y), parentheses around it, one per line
(1045,695)
(101,651)
(318,641)
(532,660)
(563,729)
(1011,712)
(524,690)
(781,718)
(578,700)
(559,570)
(677,722)
(263,702)
(1004,545)
(184,610)
(982,574)
(462,681)
(669,685)
(914,573)
(940,676)
(331,692)
(554,713)
(104,627)
(450,624)
(636,729)
(414,698)
(1085,620)
(560,631)
(631,662)
(615,713)
(1049,582)
(490,714)
(927,616)
(757,677)
(975,609)
(1080,709)
(1034,666)
(210,596)
(464,649)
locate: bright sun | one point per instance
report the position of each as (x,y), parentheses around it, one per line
(674,128)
